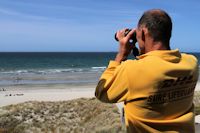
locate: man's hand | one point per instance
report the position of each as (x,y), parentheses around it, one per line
(125,46)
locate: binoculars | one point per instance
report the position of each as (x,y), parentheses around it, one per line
(132,40)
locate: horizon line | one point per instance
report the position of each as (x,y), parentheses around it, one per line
(74,51)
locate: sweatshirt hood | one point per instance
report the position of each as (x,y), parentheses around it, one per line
(173,56)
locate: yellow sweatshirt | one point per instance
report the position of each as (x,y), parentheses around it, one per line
(157,91)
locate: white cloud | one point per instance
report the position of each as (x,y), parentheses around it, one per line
(21,14)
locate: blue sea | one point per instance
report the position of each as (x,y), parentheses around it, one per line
(54,67)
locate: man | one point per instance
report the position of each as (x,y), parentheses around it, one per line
(157,89)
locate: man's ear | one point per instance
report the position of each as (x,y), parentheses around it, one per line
(143,35)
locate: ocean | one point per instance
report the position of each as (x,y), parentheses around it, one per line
(52,67)
(22,68)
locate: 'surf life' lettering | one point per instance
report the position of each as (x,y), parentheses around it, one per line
(158,98)
(178,81)
(169,96)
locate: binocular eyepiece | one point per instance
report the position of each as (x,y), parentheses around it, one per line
(132,40)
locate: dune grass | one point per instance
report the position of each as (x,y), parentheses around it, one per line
(80,115)
(84,115)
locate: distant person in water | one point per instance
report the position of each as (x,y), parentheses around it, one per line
(157,88)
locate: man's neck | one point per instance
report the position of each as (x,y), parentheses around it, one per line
(156,46)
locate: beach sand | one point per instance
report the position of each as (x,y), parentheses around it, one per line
(19,94)
(13,95)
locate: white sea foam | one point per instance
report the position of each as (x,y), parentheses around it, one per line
(103,67)
(54,71)
(22,71)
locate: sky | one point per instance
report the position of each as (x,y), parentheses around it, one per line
(88,25)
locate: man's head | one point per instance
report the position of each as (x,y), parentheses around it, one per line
(154,27)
